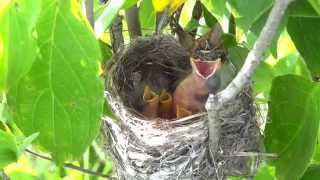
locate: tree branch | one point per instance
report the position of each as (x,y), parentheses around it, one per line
(71,166)
(254,58)
(132,16)
(116,34)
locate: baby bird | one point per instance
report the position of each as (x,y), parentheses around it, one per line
(192,92)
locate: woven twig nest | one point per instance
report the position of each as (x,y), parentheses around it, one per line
(171,149)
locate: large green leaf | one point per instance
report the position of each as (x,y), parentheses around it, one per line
(17,46)
(248,11)
(312,173)
(315,4)
(147,16)
(8,149)
(105,20)
(291,64)
(294,121)
(305,34)
(62,95)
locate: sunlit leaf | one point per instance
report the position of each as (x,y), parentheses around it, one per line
(208,17)
(293,124)
(304,32)
(8,149)
(17,46)
(265,172)
(129,3)
(147,16)
(217,8)
(160,5)
(186,12)
(105,20)
(315,4)
(62,95)
(248,11)
(21,175)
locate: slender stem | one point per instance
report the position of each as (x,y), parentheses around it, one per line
(132,16)
(71,166)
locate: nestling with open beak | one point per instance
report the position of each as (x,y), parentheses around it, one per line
(192,92)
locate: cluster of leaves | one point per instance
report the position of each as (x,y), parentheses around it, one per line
(52,92)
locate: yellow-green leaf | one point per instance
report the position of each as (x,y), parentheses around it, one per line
(61,97)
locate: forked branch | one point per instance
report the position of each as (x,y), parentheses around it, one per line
(254,58)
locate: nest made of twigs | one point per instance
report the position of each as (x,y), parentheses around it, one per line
(175,149)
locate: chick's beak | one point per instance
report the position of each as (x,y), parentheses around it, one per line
(205,69)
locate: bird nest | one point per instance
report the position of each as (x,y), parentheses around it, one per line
(178,148)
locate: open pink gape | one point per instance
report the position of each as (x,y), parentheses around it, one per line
(205,69)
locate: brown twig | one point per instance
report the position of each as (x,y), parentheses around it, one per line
(132,16)
(116,34)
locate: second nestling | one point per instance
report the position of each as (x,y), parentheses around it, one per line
(189,96)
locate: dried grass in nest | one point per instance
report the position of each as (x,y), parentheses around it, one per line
(176,149)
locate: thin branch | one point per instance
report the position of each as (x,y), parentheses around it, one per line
(116,34)
(71,166)
(132,16)
(88,5)
(254,58)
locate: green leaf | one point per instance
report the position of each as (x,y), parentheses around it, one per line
(16,42)
(305,34)
(208,17)
(262,80)
(237,55)
(62,95)
(291,64)
(8,149)
(16,175)
(147,16)
(248,11)
(257,26)
(186,13)
(316,5)
(294,121)
(228,40)
(24,142)
(312,173)
(192,25)
(105,20)
(301,8)
(217,8)
(129,3)
(265,172)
